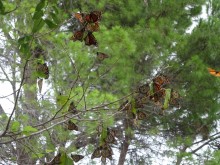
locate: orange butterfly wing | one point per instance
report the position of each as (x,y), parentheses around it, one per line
(102,56)
(90,39)
(79,16)
(214,72)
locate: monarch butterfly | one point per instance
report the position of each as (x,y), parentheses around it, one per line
(43,70)
(110,139)
(107,152)
(96,153)
(76,158)
(126,106)
(90,39)
(72,108)
(144,89)
(158,92)
(141,115)
(94,27)
(102,56)
(79,16)
(72,126)
(214,72)
(93,17)
(161,80)
(78,35)
(55,161)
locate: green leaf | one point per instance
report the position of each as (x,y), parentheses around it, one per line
(55,9)
(50,24)
(66,160)
(2,8)
(40,5)
(25,49)
(38,14)
(27,130)
(55,18)
(38,24)
(103,133)
(167,98)
(15,126)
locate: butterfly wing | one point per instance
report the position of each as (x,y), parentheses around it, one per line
(93,17)
(214,72)
(78,35)
(77,158)
(90,39)
(102,56)
(92,27)
(79,17)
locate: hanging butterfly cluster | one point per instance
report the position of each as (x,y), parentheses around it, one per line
(154,92)
(104,151)
(89,24)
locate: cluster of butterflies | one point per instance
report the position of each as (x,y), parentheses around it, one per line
(149,92)
(57,159)
(105,151)
(89,24)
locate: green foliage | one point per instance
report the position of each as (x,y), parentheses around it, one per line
(66,160)
(27,130)
(15,126)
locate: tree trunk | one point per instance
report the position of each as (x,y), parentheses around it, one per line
(125,144)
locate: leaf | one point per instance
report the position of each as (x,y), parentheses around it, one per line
(38,14)
(50,24)
(104,133)
(2,8)
(40,84)
(29,129)
(38,24)
(24,45)
(167,98)
(40,5)
(55,18)
(15,126)
(66,160)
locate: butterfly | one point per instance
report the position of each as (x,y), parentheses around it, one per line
(93,27)
(110,139)
(78,35)
(76,158)
(72,108)
(101,56)
(141,115)
(161,80)
(80,17)
(55,161)
(125,106)
(43,70)
(214,72)
(72,126)
(93,16)
(144,89)
(90,39)
(107,152)
(96,153)
(158,92)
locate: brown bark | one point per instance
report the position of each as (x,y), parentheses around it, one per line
(125,144)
